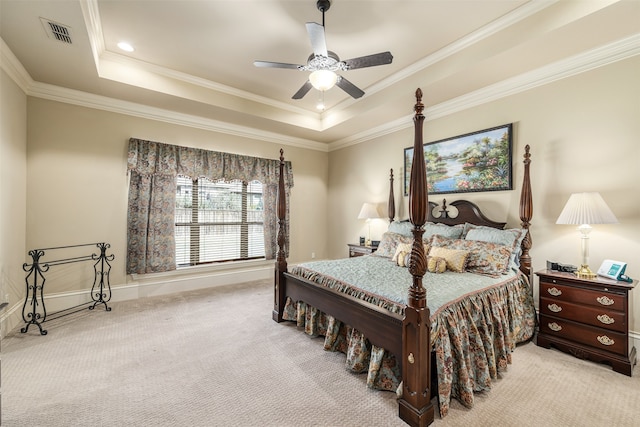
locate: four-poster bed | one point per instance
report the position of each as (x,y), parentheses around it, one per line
(402,327)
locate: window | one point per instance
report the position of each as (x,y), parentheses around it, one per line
(218,221)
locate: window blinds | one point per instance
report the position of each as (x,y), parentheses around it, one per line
(218,221)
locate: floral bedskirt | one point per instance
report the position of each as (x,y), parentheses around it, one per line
(473,338)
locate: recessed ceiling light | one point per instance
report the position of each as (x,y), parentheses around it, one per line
(125,46)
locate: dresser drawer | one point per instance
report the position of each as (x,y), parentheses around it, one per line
(610,341)
(595,316)
(607,299)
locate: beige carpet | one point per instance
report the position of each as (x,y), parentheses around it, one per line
(215,358)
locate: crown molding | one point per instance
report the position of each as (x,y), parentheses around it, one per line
(91,14)
(16,71)
(14,68)
(202,83)
(589,60)
(517,15)
(571,66)
(93,25)
(83,99)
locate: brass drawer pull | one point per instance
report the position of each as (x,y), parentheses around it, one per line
(603,318)
(555,308)
(554,291)
(605,300)
(555,327)
(605,340)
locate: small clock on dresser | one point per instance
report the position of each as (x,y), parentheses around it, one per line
(588,318)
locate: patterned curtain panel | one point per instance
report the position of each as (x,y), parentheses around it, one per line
(154,168)
(270,198)
(151,223)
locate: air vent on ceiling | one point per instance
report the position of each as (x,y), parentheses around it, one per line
(57,31)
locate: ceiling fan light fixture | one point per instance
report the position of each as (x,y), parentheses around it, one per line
(323,64)
(320,105)
(323,79)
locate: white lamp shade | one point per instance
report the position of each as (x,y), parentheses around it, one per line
(323,79)
(586,208)
(368,211)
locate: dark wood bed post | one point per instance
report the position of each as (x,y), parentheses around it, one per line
(392,199)
(526,213)
(415,406)
(281,260)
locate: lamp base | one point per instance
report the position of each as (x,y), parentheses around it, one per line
(585,272)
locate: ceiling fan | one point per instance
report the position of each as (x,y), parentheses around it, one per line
(323,63)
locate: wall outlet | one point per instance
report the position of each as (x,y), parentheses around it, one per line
(313,255)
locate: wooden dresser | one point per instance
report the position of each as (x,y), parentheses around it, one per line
(588,318)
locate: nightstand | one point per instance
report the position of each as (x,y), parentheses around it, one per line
(588,318)
(358,250)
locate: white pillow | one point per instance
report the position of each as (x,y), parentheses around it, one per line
(451,231)
(401,227)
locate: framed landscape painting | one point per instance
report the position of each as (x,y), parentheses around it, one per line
(478,161)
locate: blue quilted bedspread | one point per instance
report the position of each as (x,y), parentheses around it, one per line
(476,321)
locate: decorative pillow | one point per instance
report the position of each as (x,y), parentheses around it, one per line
(487,258)
(403,259)
(389,243)
(405,228)
(402,248)
(403,253)
(427,247)
(515,255)
(453,231)
(455,259)
(512,238)
(436,264)
(401,227)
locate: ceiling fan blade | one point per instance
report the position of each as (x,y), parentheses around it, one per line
(349,87)
(302,91)
(369,60)
(268,64)
(318,42)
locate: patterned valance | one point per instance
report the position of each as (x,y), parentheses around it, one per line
(154,168)
(155,158)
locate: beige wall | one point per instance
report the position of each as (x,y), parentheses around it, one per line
(583,132)
(77,184)
(77,181)
(13,193)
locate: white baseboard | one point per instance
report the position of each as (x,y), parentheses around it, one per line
(635,336)
(148,285)
(142,286)
(191,279)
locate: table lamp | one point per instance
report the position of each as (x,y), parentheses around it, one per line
(368,212)
(584,209)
